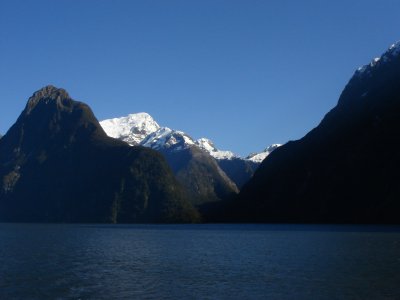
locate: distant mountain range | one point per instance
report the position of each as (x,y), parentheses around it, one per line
(346,170)
(142,129)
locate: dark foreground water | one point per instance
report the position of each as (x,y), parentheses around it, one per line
(199,262)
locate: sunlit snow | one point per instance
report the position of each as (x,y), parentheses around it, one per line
(132,128)
(142,129)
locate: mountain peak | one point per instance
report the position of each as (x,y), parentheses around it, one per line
(208,145)
(47,94)
(390,54)
(259,157)
(132,128)
(395,48)
(140,115)
(166,138)
(56,159)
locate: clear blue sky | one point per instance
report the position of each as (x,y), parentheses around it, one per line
(243,73)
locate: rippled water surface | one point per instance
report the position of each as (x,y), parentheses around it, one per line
(43,261)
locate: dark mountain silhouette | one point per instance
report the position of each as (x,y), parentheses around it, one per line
(58,165)
(345,170)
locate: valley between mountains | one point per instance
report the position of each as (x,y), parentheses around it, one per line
(207,173)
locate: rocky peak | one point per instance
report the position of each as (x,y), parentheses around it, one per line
(370,78)
(391,54)
(48,94)
(208,145)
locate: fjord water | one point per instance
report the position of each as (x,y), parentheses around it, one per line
(55,261)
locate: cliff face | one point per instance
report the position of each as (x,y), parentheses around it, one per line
(344,170)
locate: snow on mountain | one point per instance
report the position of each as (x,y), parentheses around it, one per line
(142,129)
(209,146)
(259,157)
(392,52)
(166,138)
(132,128)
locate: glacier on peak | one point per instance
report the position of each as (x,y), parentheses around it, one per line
(132,128)
(165,137)
(142,129)
(259,157)
(208,146)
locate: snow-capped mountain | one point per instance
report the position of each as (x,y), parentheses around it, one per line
(142,129)
(177,140)
(166,138)
(388,56)
(185,154)
(259,157)
(197,171)
(132,128)
(209,146)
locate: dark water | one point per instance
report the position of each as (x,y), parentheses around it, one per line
(199,262)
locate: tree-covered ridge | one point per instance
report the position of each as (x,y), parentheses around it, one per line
(58,165)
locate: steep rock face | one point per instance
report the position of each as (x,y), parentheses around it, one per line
(346,169)
(58,165)
(200,175)
(194,168)
(239,170)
